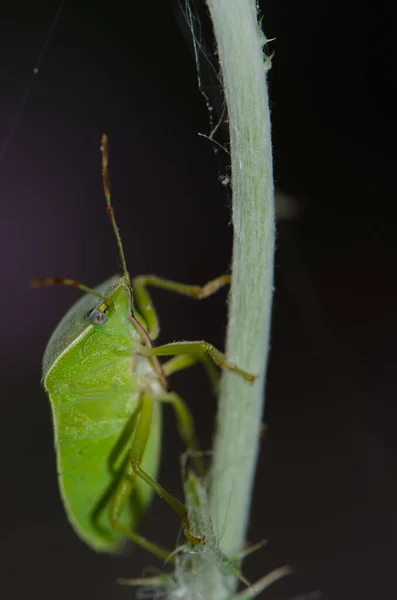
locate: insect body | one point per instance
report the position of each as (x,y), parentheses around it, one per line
(94,378)
(106,386)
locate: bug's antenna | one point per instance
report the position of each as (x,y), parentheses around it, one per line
(65,281)
(110,209)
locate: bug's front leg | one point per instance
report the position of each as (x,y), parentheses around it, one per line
(145,304)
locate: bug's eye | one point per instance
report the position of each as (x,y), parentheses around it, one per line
(97,317)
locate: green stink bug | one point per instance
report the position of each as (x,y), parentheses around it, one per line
(106,385)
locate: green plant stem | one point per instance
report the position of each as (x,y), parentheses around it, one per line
(241,404)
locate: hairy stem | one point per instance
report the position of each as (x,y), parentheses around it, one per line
(211,570)
(241,404)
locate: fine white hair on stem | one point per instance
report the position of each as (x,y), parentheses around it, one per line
(211,570)
(243,70)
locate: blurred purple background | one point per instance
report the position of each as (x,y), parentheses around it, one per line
(326,488)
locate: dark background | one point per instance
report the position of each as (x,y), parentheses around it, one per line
(326,487)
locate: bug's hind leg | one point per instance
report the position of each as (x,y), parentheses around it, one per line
(122,497)
(118,451)
(127,483)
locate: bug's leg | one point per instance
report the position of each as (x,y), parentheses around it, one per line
(144,302)
(184,361)
(119,502)
(123,442)
(133,470)
(186,428)
(197,348)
